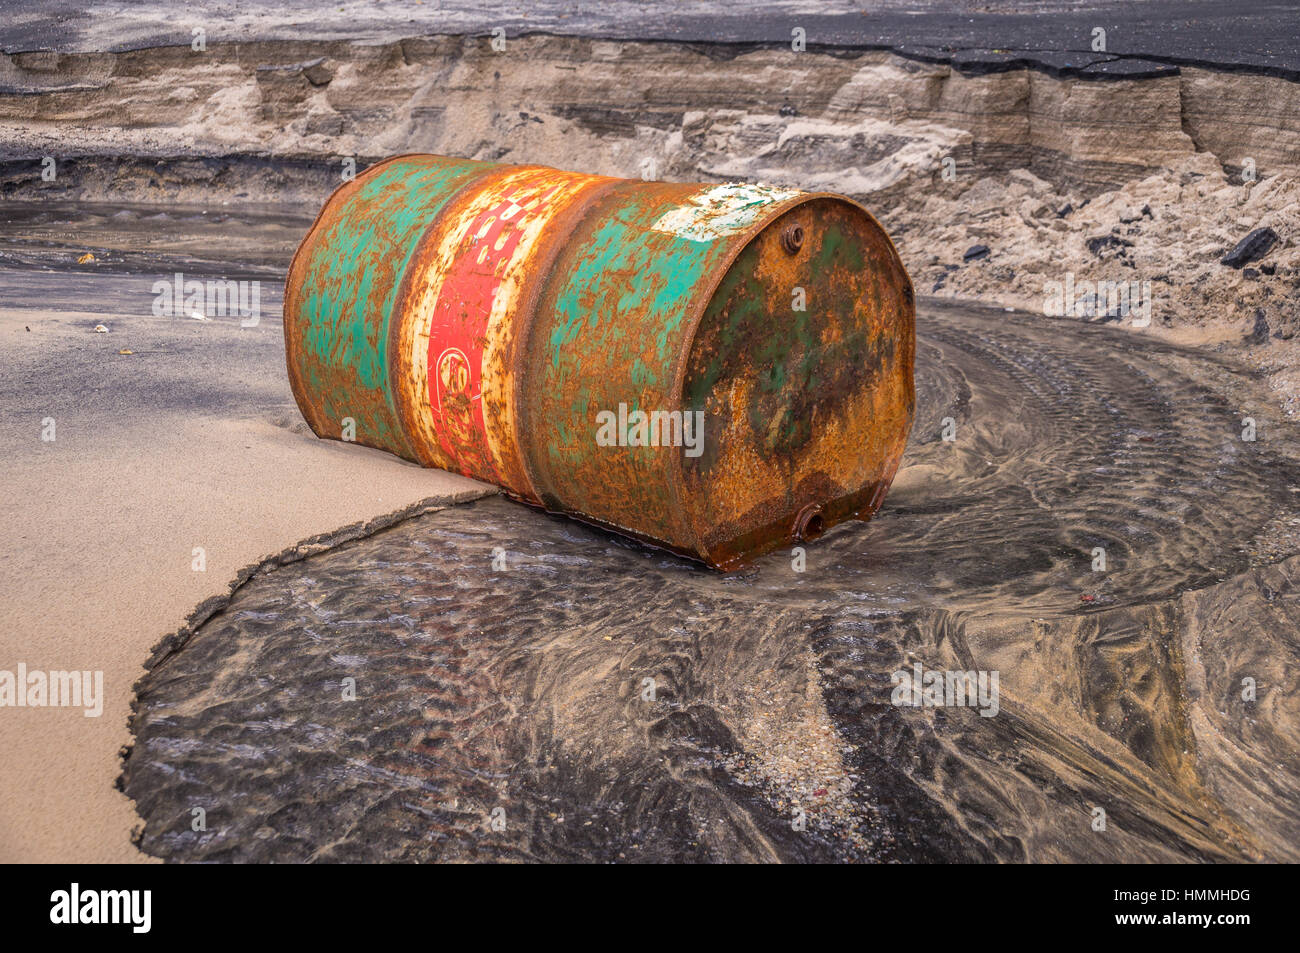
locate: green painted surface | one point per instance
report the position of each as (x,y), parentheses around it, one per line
(621,309)
(350,289)
(796,366)
(611,331)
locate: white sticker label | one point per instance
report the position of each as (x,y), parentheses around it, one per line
(720,210)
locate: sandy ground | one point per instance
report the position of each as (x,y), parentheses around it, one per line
(192,440)
(1162,237)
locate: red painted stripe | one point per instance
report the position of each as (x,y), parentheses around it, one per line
(459,328)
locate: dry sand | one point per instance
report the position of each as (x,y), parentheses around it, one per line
(96,563)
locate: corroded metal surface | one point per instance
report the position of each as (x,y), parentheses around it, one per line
(467,297)
(341,288)
(750,347)
(809,391)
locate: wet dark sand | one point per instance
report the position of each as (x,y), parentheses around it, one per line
(503,714)
(238,241)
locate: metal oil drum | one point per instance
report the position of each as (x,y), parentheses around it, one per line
(716,369)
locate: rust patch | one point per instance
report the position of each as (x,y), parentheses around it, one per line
(567,336)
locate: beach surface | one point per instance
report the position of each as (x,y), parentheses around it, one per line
(152,466)
(190,441)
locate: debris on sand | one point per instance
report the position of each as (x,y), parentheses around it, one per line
(1251,248)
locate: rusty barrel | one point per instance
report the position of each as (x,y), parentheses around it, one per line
(716,369)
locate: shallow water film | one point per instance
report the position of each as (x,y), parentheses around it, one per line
(1041,649)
